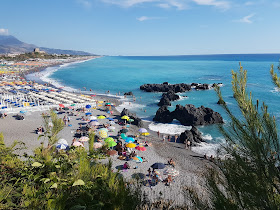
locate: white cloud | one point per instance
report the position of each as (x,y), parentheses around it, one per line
(144,18)
(178,4)
(85,3)
(246,19)
(4,31)
(216,3)
(249,3)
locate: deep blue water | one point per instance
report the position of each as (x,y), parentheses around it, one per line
(123,74)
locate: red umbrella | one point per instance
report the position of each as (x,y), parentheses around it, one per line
(141,148)
(61,105)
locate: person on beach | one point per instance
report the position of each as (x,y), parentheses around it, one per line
(175,138)
(163,138)
(186,144)
(158,134)
(149,172)
(169,139)
(126,166)
(189,144)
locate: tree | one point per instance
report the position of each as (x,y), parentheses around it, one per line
(249,177)
(274,76)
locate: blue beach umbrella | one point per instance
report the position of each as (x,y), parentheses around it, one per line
(158,165)
(22,111)
(109,118)
(88,106)
(140,159)
(62,146)
(88,113)
(129,140)
(124,136)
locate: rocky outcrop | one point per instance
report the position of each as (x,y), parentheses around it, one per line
(137,121)
(165,87)
(163,115)
(193,135)
(166,98)
(128,93)
(188,115)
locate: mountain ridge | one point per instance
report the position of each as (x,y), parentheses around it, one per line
(10,44)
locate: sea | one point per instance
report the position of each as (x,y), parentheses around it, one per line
(115,75)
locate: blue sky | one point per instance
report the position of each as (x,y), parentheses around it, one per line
(146,27)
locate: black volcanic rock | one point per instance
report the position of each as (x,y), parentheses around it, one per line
(137,121)
(128,93)
(165,87)
(193,135)
(202,87)
(188,115)
(167,97)
(163,115)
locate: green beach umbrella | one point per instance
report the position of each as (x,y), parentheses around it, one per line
(111,144)
(73,104)
(109,139)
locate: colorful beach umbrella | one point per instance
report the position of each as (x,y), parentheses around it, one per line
(93,118)
(171,171)
(73,104)
(97,145)
(94,123)
(62,141)
(103,134)
(123,136)
(88,106)
(65,108)
(145,134)
(84,138)
(124,130)
(111,152)
(104,129)
(88,113)
(143,130)
(158,165)
(109,118)
(101,117)
(109,139)
(130,145)
(125,117)
(62,146)
(61,105)
(141,148)
(129,140)
(111,144)
(77,144)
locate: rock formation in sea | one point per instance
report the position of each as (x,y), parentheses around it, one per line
(193,135)
(137,121)
(166,98)
(188,115)
(128,93)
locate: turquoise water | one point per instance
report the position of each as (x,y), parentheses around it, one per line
(123,74)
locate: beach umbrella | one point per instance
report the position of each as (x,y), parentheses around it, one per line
(112,123)
(134,158)
(101,117)
(112,128)
(109,118)
(171,171)
(73,105)
(65,108)
(77,144)
(142,130)
(97,145)
(23,111)
(88,113)
(62,146)
(158,165)
(61,105)
(93,118)
(62,141)
(104,129)
(103,134)
(124,130)
(140,159)
(111,144)
(145,134)
(125,117)
(109,139)
(130,120)
(129,140)
(88,106)
(123,136)
(141,148)
(84,138)
(94,123)
(111,152)
(130,145)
